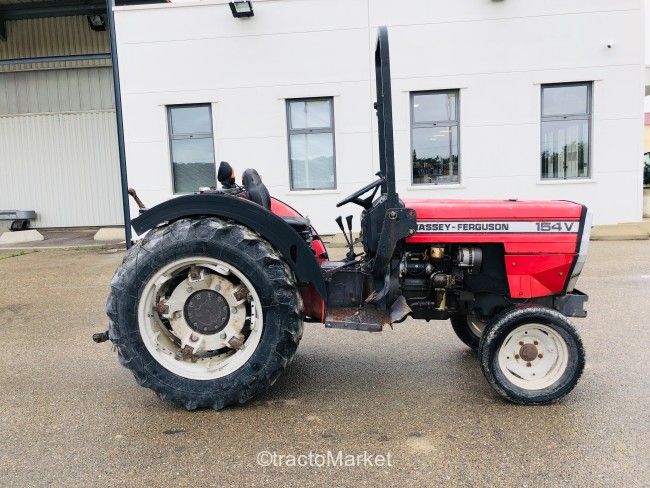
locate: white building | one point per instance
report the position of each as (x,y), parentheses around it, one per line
(491,99)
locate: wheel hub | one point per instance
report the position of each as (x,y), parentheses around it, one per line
(200,318)
(207,312)
(533,356)
(528,352)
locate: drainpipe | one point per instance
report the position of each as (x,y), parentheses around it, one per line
(110,4)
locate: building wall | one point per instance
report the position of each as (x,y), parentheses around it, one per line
(496,53)
(58,145)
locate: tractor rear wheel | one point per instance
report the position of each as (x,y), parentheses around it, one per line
(469,329)
(532,355)
(205,313)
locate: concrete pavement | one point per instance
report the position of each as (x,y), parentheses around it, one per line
(71,416)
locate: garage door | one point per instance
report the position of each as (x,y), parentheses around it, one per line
(58,146)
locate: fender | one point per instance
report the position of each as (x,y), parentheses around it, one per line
(293,248)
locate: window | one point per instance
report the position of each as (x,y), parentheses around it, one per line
(311,144)
(566,120)
(434,137)
(192,147)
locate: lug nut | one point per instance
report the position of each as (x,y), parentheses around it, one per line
(536,343)
(516,356)
(528,365)
(521,343)
(540,355)
(194,338)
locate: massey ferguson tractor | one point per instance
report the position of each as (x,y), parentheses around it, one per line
(207,309)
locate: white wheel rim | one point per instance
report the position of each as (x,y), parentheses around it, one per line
(475,326)
(165,333)
(533,356)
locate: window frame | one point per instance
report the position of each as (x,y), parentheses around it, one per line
(588,116)
(432,124)
(307,130)
(201,135)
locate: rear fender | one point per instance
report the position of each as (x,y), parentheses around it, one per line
(284,239)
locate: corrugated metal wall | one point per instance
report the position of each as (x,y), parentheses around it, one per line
(56,36)
(58,146)
(62,90)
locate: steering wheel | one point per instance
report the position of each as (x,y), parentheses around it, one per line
(364,202)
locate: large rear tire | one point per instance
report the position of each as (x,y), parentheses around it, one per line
(205,313)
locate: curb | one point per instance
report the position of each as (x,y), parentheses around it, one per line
(631,231)
(107,234)
(21,236)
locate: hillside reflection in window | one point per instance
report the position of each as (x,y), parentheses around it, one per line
(192,147)
(311,144)
(566,120)
(434,137)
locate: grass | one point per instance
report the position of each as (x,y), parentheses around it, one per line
(14,255)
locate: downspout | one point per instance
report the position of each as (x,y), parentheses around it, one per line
(110,4)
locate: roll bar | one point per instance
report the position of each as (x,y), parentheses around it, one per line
(385,114)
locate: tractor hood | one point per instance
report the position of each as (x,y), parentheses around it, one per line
(521,226)
(545,242)
(494,210)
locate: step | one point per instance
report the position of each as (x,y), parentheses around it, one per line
(365,318)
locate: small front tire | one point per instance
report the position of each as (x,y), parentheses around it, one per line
(532,355)
(469,329)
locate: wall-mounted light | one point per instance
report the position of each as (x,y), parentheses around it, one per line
(96,22)
(241,9)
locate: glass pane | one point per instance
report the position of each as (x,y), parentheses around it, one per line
(435,155)
(318,114)
(297,115)
(193,164)
(434,107)
(190,120)
(565,149)
(312,161)
(565,100)
(310,114)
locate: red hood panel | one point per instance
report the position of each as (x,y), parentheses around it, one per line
(539,238)
(430,209)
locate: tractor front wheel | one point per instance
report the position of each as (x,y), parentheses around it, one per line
(204,312)
(532,355)
(469,329)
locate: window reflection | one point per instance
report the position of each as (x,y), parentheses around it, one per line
(566,120)
(434,137)
(311,144)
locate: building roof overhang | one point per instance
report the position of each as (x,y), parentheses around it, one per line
(34,9)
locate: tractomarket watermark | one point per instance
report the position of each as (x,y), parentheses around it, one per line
(325,459)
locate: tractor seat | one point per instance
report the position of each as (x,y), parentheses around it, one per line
(257,191)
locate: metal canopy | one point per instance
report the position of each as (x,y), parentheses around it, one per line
(34,9)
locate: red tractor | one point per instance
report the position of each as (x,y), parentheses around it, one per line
(208,308)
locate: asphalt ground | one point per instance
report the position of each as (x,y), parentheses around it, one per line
(71,416)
